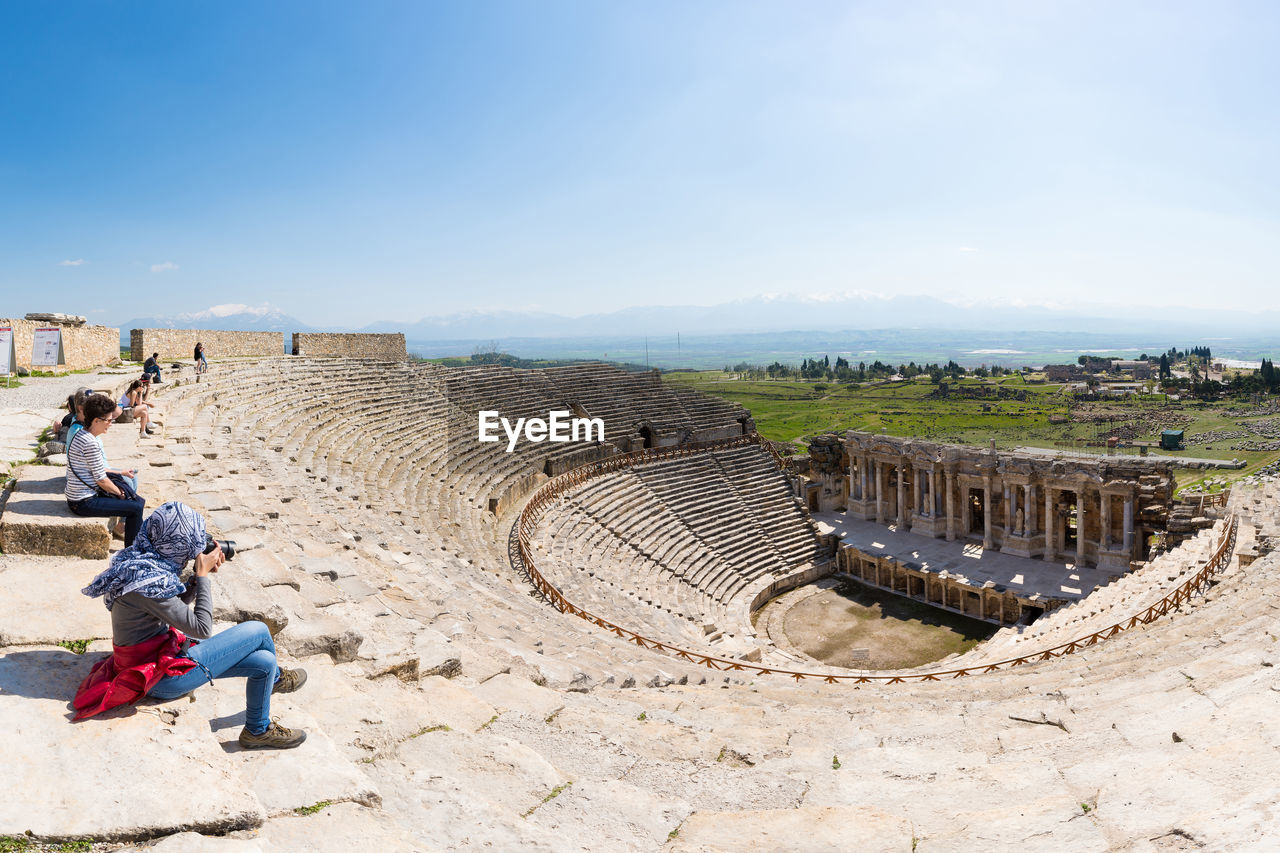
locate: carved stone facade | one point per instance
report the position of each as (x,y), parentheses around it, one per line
(382,347)
(179,343)
(1089,512)
(85,346)
(990,602)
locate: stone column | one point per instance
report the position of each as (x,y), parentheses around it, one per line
(877,488)
(917,483)
(950,485)
(1050,522)
(873,482)
(1009,500)
(1105,539)
(902,496)
(935,505)
(1128,525)
(986,512)
(882,488)
(1030,519)
(1080,526)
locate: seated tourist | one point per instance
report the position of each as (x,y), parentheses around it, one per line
(90,491)
(74,415)
(151,368)
(133,407)
(151,613)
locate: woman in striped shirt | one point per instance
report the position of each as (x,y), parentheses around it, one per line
(89,491)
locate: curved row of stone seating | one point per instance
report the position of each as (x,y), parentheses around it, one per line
(297,430)
(612,580)
(625,399)
(395,544)
(685,534)
(327,417)
(1131,594)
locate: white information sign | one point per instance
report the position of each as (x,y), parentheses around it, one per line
(7,357)
(46,348)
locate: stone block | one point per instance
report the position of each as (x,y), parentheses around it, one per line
(320,634)
(194,842)
(129,773)
(238,599)
(43,604)
(498,772)
(344,827)
(508,692)
(36,519)
(865,829)
(454,706)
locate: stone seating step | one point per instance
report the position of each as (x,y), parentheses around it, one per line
(36,519)
(72,787)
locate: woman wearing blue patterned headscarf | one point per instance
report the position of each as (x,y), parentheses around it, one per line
(151,613)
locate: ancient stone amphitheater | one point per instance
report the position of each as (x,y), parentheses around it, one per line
(552,649)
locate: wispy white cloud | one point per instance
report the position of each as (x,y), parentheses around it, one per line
(70,263)
(167,266)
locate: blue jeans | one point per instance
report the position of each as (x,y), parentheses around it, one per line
(154,370)
(244,651)
(100,507)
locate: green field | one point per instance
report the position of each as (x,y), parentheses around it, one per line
(792,410)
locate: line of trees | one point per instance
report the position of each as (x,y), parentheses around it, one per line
(845,371)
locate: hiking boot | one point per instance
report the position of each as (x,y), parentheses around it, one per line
(289,680)
(275,737)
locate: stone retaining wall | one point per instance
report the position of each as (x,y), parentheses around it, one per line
(384,347)
(85,346)
(180,343)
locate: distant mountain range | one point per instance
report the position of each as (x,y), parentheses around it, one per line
(219,317)
(848,312)
(857,312)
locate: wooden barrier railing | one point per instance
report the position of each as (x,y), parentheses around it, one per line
(551,490)
(1217,499)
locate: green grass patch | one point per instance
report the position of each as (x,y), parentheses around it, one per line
(14,843)
(555,792)
(313,808)
(977,411)
(78,647)
(49,374)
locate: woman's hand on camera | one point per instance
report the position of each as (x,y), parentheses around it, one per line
(206,563)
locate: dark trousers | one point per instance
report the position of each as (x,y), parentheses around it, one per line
(100,507)
(154,370)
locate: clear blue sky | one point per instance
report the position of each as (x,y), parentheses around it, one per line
(347,162)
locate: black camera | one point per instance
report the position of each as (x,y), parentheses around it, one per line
(228,547)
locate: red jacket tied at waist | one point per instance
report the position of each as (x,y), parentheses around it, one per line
(130,672)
